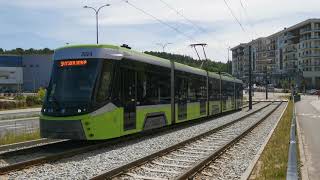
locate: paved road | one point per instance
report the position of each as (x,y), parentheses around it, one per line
(308,117)
(262,95)
(19,126)
(19,113)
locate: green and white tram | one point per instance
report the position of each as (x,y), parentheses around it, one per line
(103,91)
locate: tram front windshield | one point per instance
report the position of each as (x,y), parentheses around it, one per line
(72,82)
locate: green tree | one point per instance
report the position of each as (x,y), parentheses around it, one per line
(208,65)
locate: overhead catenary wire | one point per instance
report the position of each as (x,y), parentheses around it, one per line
(183,16)
(164,23)
(161,21)
(234,16)
(247,16)
(203,30)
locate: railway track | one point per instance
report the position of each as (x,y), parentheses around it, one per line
(26,144)
(37,155)
(26,157)
(185,159)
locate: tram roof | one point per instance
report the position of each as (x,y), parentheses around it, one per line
(139,56)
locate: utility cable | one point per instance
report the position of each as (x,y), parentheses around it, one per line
(160,21)
(246,14)
(184,17)
(234,16)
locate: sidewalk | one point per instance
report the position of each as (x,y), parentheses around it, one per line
(308,121)
(16,111)
(19,113)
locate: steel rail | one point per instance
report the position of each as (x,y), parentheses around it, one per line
(27,144)
(122,169)
(191,172)
(69,153)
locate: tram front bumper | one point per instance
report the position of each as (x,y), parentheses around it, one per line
(62,129)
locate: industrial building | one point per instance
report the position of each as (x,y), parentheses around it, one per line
(292,54)
(25,73)
(11,73)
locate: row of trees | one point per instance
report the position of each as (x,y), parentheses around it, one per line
(208,65)
(31,51)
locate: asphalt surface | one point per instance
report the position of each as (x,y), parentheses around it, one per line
(308,117)
(19,126)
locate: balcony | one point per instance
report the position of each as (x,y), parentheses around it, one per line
(290,59)
(310,56)
(309,38)
(305,30)
(289,36)
(312,47)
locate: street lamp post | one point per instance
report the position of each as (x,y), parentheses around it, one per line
(97,21)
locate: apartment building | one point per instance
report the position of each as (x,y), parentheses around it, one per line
(292,54)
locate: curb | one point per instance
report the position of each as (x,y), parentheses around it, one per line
(250,168)
(304,167)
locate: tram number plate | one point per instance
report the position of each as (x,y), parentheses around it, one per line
(86,54)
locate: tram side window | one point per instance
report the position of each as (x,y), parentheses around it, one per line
(231,90)
(193,85)
(181,86)
(197,90)
(214,89)
(224,91)
(153,87)
(105,87)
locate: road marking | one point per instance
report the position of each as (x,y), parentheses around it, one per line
(309,115)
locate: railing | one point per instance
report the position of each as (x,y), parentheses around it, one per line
(309,38)
(292,168)
(305,30)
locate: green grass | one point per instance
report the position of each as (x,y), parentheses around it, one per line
(11,138)
(273,161)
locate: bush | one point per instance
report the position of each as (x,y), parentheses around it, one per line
(33,100)
(12,104)
(41,94)
(19,98)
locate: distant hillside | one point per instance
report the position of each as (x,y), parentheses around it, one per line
(208,65)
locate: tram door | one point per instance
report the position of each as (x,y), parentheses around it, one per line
(183,98)
(129,98)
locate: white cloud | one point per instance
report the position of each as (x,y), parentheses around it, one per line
(122,23)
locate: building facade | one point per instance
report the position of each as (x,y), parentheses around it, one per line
(36,71)
(11,73)
(292,54)
(25,73)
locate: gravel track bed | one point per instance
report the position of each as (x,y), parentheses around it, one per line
(93,163)
(220,138)
(28,146)
(236,160)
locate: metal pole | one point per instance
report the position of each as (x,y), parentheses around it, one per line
(97,27)
(266,85)
(250,80)
(97,21)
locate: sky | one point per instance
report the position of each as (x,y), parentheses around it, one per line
(52,24)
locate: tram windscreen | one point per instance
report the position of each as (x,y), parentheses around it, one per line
(72,81)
